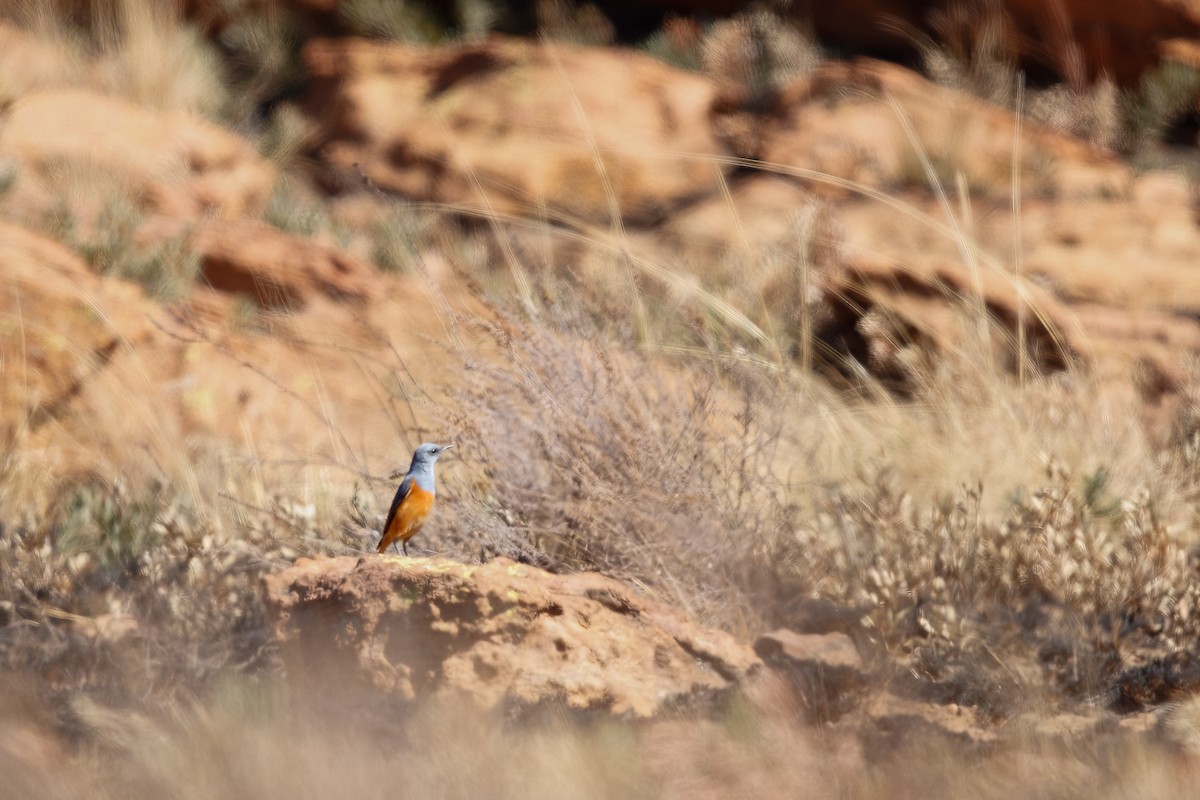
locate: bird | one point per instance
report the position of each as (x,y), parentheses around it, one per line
(414,498)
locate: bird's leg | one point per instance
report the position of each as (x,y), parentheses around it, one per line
(396,548)
(405,543)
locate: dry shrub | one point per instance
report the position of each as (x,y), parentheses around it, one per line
(1131,121)
(578,23)
(139,49)
(261,56)
(753,301)
(751,57)
(258,741)
(678,42)
(1091,583)
(1093,114)
(403,21)
(30,62)
(736,492)
(109,242)
(973,50)
(149,55)
(633,467)
(116,593)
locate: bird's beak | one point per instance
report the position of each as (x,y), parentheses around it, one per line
(447,447)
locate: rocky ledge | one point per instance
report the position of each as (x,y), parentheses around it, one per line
(501,633)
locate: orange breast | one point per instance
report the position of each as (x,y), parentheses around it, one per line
(412,512)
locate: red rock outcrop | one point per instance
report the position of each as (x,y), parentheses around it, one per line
(499,633)
(867,120)
(60,325)
(97,376)
(273,268)
(513,126)
(1106,267)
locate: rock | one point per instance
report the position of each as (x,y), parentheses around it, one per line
(825,669)
(826,652)
(1105,272)
(106,381)
(499,633)
(174,163)
(275,269)
(848,120)
(50,341)
(511,126)
(887,724)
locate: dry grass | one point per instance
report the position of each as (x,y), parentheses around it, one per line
(1012,543)
(255,741)
(136,49)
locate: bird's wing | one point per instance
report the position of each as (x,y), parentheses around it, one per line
(401,493)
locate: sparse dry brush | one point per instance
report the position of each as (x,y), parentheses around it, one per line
(113,594)
(1086,586)
(1005,542)
(733,497)
(601,460)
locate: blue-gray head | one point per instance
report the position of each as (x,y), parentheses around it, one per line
(421,468)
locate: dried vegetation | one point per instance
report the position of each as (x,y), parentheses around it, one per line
(1012,544)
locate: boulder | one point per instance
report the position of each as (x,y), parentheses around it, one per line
(824,669)
(510,126)
(104,380)
(1105,274)
(273,268)
(500,633)
(60,326)
(864,121)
